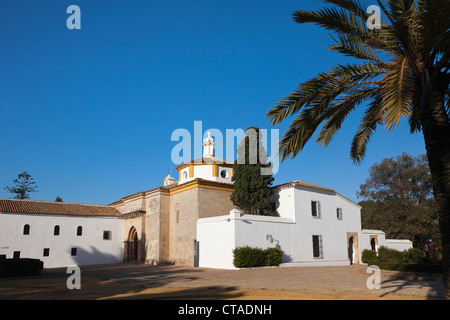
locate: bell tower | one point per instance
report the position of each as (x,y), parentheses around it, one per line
(208,146)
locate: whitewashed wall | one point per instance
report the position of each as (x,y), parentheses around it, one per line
(292,231)
(365,236)
(216,241)
(399,244)
(91,248)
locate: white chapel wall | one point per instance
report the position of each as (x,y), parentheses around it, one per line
(292,231)
(91,248)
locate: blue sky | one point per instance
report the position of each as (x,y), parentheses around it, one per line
(89,113)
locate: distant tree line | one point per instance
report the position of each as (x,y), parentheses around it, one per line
(398,199)
(23,185)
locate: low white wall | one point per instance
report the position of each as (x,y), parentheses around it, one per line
(216,241)
(399,245)
(366,234)
(91,247)
(218,236)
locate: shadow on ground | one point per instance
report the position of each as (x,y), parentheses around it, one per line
(138,281)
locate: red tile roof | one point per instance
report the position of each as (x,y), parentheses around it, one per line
(57,208)
(304,184)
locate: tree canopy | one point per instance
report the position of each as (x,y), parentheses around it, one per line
(252,189)
(399,200)
(23,185)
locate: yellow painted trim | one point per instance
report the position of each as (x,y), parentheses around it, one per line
(195,184)
(215,170)
(184,187)
(191,171)
(217,188)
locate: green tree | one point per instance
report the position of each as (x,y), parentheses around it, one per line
(403,73)
(399,200)
(23,185)
(252,186)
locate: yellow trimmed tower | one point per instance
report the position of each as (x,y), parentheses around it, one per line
(208,167)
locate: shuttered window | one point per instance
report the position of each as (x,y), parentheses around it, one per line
(339,213)
(317,247)
(315,209)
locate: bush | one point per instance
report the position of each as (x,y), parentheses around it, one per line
(19,267)
(367,255)
(414,256)
(390,255)
(247,257)
(407,267)
(273,256)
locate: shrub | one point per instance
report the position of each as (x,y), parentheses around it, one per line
(407,267)
(247,257)
(273,256)
(414,256)
(367,255)
(390,255)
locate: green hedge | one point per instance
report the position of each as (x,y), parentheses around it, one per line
(19,267)
(390,255)
(247,257)
(411,260)
(407,267)
(367,255)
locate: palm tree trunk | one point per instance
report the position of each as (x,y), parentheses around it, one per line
(436,131)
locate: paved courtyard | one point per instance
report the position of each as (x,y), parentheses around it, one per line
(139,281)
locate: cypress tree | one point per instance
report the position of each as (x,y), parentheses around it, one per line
(252,190)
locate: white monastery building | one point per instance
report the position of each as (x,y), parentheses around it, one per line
(190,222)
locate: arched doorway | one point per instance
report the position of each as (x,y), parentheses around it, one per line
(353,247)
(131,246)
(351,250)
(374,243)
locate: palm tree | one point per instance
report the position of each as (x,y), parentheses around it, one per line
(401,71)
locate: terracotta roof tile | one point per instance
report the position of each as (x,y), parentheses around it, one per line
(57,208)
(304,184)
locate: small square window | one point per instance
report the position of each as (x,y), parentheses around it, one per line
(73,252)
(46,252)
(315,209)
(339,213)
(106,235)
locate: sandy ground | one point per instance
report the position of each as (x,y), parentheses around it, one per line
(140,282)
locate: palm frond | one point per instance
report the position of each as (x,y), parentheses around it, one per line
(354,47)
(325,84)
(397,92)
(372,117)
(433,17)
(416,38)
(354,6)
(353,25)
(339,111)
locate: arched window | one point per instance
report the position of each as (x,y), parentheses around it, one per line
(26,229)
(79,231)
(56,230)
